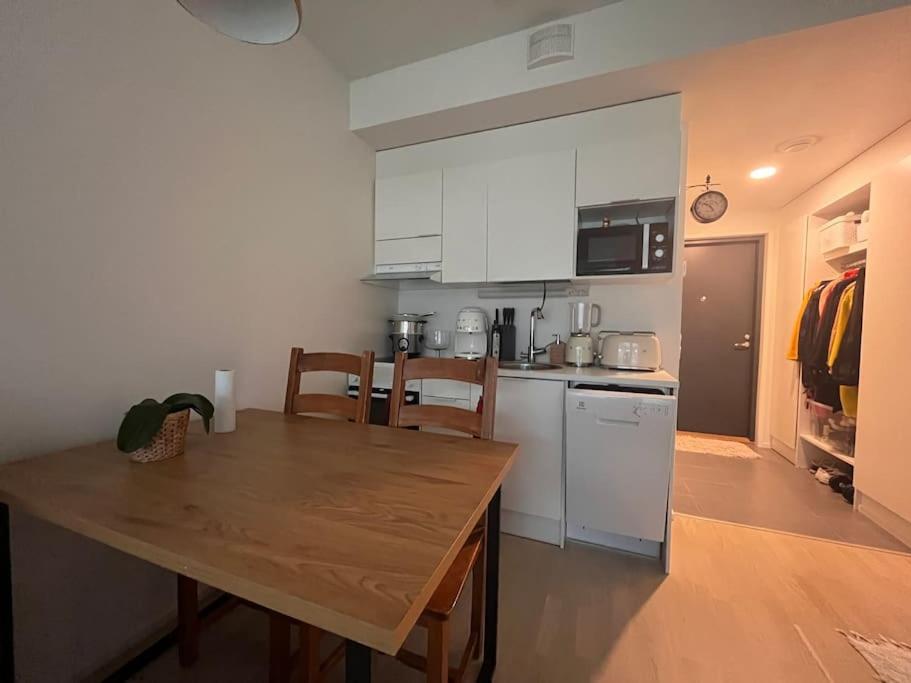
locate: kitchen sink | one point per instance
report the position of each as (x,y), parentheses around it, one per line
(522,365)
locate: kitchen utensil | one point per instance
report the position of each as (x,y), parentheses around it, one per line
(508,335)
(438,340)
(630,350)
(557,351)
(495,335)
(583,317)
(413,316)
(580,347)
(580,350)
(407,332)
(471,333)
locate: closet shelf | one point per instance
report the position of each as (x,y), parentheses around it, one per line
(824,445)
(846,257)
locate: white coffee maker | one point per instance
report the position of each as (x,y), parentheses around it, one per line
(471,333)
(580,347)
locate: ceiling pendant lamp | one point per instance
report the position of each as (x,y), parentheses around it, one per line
(262,22)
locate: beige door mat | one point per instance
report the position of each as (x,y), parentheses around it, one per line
(722,447)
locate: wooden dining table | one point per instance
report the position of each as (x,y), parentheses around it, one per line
(347,527)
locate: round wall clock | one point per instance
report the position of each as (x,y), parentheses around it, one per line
(710,205)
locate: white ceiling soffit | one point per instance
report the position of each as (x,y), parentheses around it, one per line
(366,37)
(487,85)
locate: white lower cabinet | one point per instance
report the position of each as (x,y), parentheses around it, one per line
(530,413)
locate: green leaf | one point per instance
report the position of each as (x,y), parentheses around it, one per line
(196,402)
(141,424)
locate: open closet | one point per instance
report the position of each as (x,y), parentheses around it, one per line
(826,339)
(842,322)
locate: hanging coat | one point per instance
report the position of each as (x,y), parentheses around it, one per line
(819,348)
(795,331)
(846,369)
(809,323)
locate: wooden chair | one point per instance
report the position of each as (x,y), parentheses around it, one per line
(357,410)
(306,657)
(479,424)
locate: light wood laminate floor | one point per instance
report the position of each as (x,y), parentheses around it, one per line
(726,613)
(773,494)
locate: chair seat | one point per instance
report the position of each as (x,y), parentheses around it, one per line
(444,599)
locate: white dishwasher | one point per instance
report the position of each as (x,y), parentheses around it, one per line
(619,454)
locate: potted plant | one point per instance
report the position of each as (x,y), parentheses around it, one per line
(155,431)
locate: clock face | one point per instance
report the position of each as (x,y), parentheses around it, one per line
(709,206)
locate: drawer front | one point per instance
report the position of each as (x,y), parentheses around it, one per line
(413,250)
(446,388)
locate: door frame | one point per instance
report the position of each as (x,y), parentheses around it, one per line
(760,240)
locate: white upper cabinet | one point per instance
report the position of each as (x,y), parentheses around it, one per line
(531,217)
(409,205)
(465,224)
(642,161)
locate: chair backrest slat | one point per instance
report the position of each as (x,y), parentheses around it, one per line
(342,406)
(481,372)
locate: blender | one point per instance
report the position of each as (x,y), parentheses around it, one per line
(580,347)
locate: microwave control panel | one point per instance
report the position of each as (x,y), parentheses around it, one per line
(658,251)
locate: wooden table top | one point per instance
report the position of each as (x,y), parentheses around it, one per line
(347,527)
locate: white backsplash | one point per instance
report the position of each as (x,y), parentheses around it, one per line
(655,306)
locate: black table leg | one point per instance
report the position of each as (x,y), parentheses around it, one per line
(357,663)
(491,589)
(7,664)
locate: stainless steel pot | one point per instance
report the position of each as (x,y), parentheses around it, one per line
(407,332)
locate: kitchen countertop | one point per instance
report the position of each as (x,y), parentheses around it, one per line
(630,378)
(659,379)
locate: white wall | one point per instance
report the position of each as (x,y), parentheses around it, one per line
(171,201)
(624,306)
(883,471)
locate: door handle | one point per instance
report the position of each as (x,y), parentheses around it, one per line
(745,344)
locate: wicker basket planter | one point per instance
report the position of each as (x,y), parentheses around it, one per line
(168,442)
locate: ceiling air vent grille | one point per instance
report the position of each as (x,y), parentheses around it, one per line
(550,44)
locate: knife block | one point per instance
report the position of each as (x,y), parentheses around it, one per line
(507,342)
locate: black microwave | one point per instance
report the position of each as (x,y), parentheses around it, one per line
(625,249)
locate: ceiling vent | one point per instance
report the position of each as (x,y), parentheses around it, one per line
(800,144)
(550,45)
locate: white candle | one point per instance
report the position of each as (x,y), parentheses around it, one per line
(225,408)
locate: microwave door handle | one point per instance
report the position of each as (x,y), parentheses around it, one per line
(646,240)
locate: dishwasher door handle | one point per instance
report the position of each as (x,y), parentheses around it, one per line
(609,422)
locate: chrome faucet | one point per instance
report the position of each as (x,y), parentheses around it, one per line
(536,314)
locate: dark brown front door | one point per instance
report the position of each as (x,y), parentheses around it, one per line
(720,328)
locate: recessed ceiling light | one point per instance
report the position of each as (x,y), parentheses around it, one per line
(800,144)
(763,172)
